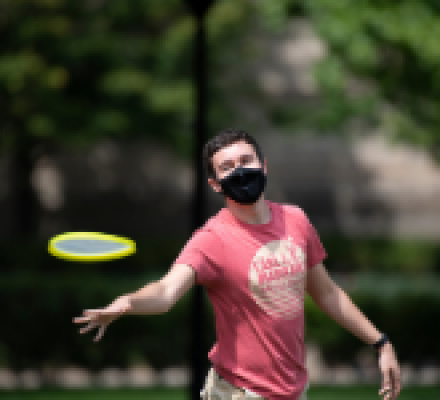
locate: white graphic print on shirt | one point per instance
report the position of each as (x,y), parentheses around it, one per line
(276,278)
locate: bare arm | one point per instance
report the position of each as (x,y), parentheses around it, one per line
(331,299)
(154,298)
(159,297)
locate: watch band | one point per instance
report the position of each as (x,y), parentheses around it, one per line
(383,339)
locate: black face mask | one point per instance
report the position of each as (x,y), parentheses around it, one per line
(244,185)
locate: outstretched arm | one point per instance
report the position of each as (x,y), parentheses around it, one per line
(335,302)
(159,297)
(154,298)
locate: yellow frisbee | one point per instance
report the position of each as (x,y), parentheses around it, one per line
(90,246)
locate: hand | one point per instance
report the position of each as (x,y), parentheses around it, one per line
(390,370)
(100,318)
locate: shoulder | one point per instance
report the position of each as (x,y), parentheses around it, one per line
(207,234)
(293,211)
(295,216)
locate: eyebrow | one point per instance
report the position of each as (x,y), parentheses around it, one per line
(241,157)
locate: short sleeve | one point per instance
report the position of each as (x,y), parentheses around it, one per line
(204,253)
(315,249)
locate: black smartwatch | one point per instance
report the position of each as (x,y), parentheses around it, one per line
(383,339)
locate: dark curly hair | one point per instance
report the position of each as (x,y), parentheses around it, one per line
(223,139)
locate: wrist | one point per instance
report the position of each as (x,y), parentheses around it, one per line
(381,342)
(125,303)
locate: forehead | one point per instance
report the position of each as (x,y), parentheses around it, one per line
(232,151)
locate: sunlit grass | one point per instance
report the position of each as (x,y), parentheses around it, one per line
(315,393)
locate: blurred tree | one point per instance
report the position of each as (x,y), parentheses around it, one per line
(382,63)
(75,71)
(72,72)
(78,70)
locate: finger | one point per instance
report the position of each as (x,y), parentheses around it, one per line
(385,388)
(386,383)
(386,392)
(392,384)
(96,311)
(88,327)
(80,320)
(113,311)
(102,311)
(100,333)
(396,383)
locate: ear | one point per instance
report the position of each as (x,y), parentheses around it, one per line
(214,185)
(265,166)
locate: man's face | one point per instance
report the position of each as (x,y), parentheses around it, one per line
(232,156)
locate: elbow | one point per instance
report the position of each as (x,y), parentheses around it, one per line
(169,298)
(166,306)
(164,309)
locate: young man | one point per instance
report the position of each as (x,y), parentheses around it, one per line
(256,260)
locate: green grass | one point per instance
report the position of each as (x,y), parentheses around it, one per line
(95,394)
(371,392)
(315,393)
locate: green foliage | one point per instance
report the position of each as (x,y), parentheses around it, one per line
(43,294)
(393,47)
(379,255)
(46,304)
(401,308)
(381,64)
(76,71)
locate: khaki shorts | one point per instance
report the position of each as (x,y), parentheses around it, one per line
(217,388)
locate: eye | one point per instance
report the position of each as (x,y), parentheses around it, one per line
(247,160)
(225,167)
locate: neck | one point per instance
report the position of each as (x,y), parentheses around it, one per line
(257,213)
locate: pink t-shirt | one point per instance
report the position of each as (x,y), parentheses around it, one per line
(255,276)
